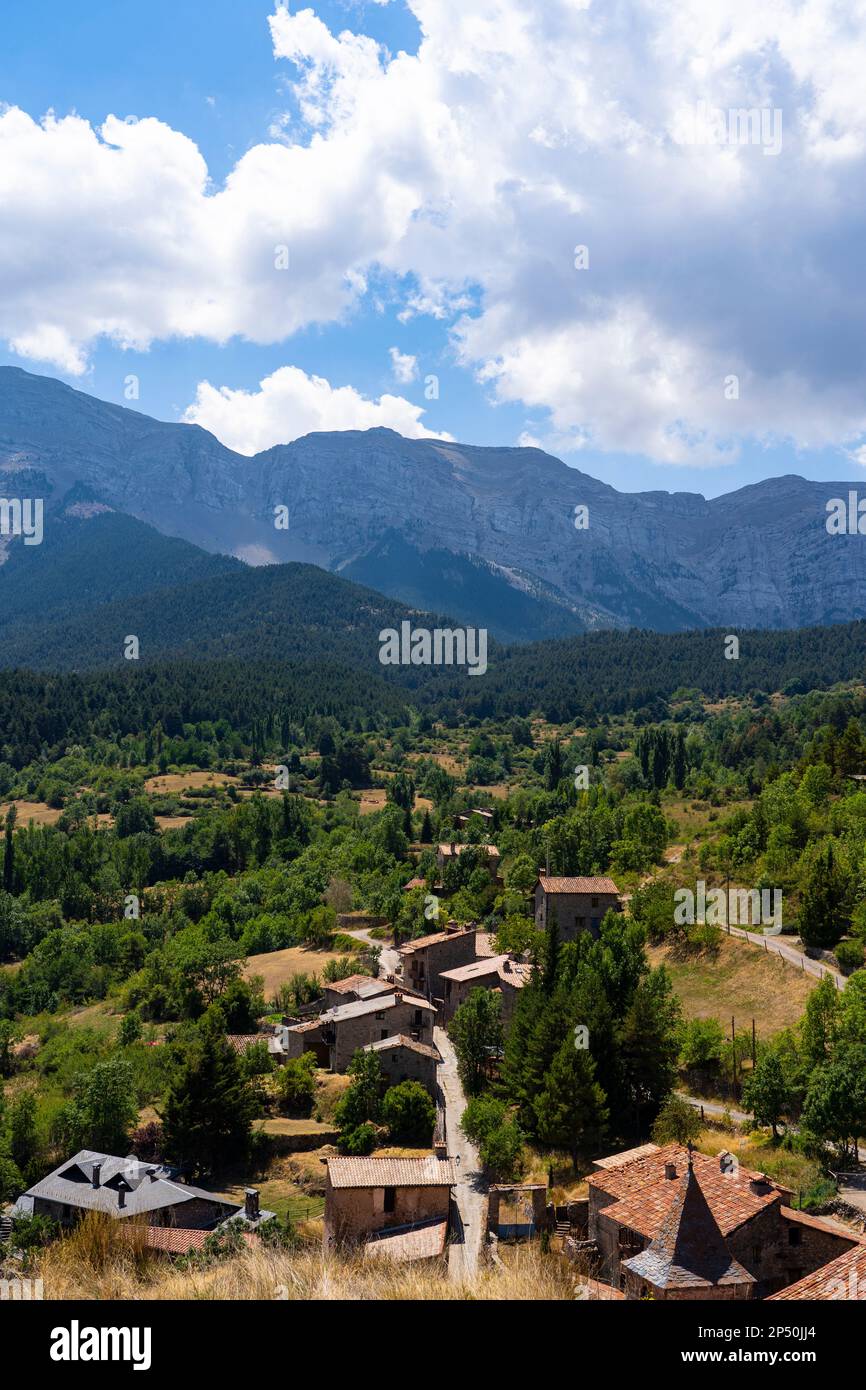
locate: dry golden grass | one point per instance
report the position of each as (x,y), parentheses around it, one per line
(183,781)
(278,967)
(330,1088)
(739,980)
(36,811)
(107,1260)
(374,798)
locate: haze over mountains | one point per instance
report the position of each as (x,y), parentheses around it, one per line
(486,535)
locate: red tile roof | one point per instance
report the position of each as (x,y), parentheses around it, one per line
(688,1251)
(644,1196)
(392,1172)
(177,1240)
(421,1242)
(434,939)
(577,885)
(843,1278)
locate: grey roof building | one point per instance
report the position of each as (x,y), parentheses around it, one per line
(120,1187)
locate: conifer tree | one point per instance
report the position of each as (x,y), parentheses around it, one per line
(209,1106)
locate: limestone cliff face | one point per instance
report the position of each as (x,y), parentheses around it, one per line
(482,533)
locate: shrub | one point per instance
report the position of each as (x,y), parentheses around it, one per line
(358,1141)
(409,1113)
(501,1152)
(296,1085)
(482,1115)
(677,1122)
(850,955)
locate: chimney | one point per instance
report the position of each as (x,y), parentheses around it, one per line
(121,1195)
(670,1170)
(251,1203)
(97,1169)
(760,1184)
(398,998)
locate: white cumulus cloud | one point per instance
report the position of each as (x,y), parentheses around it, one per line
(403,365)
(289,403)
(465,175)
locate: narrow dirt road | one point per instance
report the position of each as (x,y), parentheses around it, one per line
(389,959)
(471,1190)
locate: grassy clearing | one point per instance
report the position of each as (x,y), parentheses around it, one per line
(99,1017)
(277,967)
(36,811)
(184,781)
(739,980)
(282,1196)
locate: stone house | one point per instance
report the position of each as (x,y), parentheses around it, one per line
(842,1278)
(403,1059)
(339,992)
(424,959)
(579,904)
(452,850)
(670,1223)
(352,1026)
(402,1202)
(501,973)
(124,1187)
(298,1038)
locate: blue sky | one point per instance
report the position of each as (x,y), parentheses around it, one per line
(430,206)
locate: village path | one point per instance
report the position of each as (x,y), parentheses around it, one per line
(471,1190)
(389,958)
(786,950)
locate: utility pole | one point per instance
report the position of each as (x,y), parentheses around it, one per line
(754,1047)
(733,1058)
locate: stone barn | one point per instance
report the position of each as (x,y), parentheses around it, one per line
(401,1204)
(402,1059)
(578,904)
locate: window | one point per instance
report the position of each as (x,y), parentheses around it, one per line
(390,1198)
(795,1235)
(381,1014)
(595,902)
(418,1019)
(383,1033)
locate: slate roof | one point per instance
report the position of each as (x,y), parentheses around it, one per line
(688,1251)
(146,1187)
(391,1172)
(358,1007)
(577,885)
